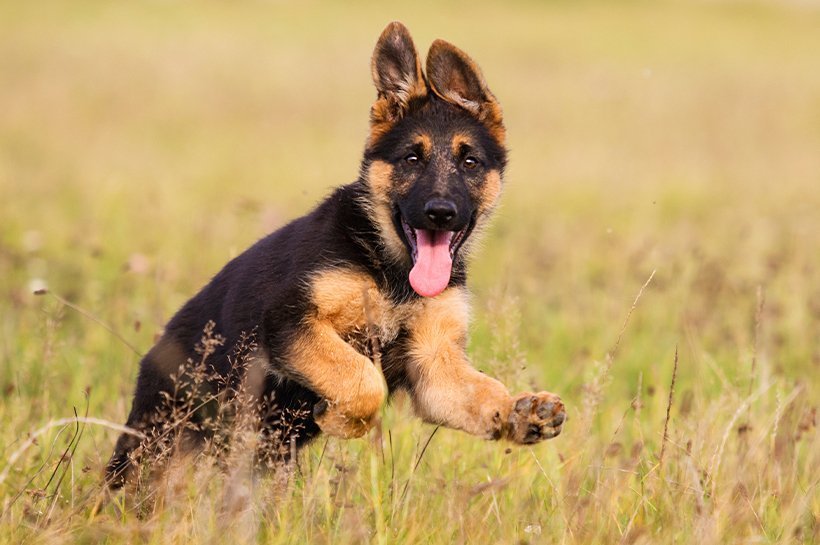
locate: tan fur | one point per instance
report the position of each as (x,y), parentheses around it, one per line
(345,302)
(426,143)
(446,390)
(460,140)
(348,380)
(490,192)
(350,300)
(493,116)
(380,180)
(382,120)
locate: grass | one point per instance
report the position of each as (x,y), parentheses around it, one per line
(142,146)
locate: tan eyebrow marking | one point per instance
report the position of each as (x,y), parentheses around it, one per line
(425,142)
(460,140)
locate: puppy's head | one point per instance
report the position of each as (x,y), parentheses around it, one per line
(435,155)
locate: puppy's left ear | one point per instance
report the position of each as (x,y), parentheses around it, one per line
(454,77)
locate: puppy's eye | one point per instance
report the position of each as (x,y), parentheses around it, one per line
(470,163)
(411,159)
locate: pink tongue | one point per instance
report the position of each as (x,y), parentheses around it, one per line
(431,272)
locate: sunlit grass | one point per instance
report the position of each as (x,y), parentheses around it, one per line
(142,146)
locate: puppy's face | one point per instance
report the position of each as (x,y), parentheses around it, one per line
(435,157)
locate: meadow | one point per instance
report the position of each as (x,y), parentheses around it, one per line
(660,225)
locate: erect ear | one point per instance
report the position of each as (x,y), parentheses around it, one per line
(457,79)
(397,75)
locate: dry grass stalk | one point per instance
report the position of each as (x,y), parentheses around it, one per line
(669,408)
(594,390)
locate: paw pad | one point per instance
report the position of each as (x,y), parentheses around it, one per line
(536,417)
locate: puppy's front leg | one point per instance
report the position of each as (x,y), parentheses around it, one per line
(351,386)
(447,390)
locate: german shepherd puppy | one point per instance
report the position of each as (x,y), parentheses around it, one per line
(375,274)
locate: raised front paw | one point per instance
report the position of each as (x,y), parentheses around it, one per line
(349,419)
(535,417)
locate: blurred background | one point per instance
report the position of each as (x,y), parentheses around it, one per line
(142,145)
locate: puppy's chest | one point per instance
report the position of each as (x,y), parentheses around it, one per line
(378,323)
(372,336)
(359,312)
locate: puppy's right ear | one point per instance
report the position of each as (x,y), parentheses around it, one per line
(398,78)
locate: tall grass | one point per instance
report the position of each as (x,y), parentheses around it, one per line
(141,146)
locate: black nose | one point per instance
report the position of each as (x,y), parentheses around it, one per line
(440,211)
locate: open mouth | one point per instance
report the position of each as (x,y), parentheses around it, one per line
(433,252)
(453,239)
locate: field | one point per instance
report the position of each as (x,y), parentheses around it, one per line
(660,224)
